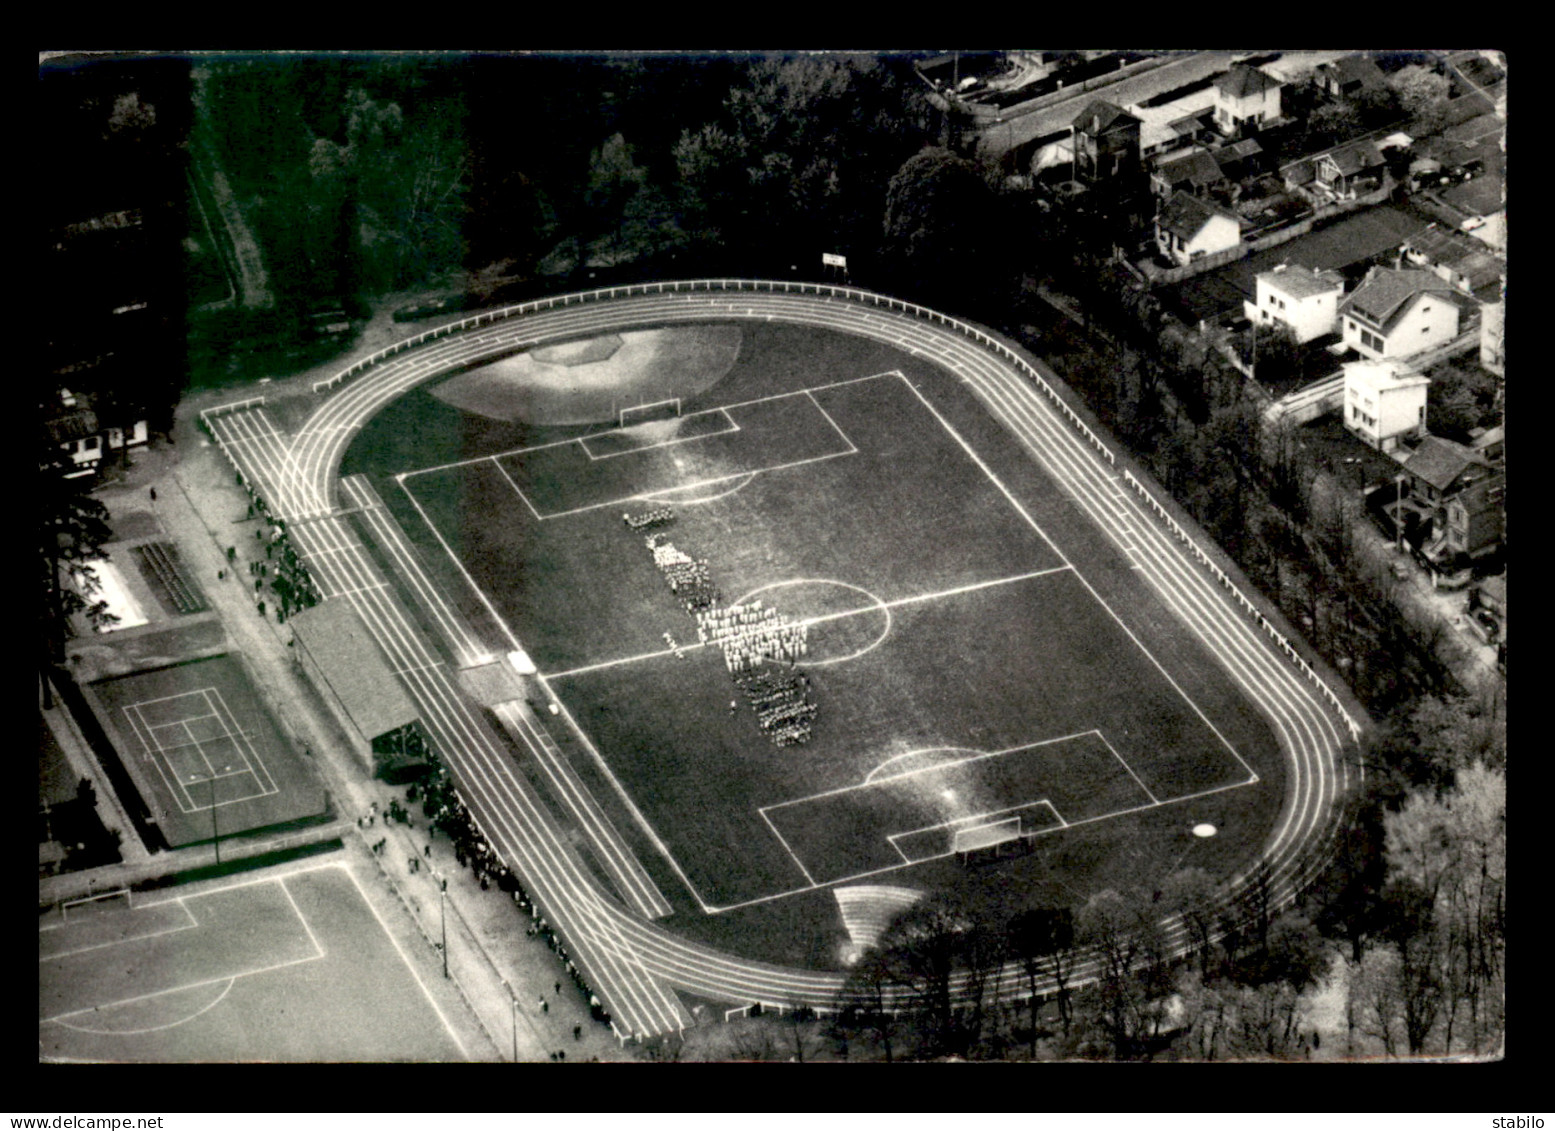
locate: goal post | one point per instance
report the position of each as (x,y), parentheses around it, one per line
(100,898)
(985,836)
(655,410)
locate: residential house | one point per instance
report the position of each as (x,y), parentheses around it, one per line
(1384,402)
(1350,170)
(1350,76)
(1306,301)
(1399,313)
(1490,443)
(1492,337)
(1439,469)
(72,426)
(1246,100)
(1196,173)
(1174,125)
(1475,521)
(1240,158)
(1188,228)
(1105,141)
(1459,259)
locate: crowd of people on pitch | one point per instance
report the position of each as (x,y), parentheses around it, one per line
(748,635)
(782,702)
(688,577)
(751,634)
(648,520)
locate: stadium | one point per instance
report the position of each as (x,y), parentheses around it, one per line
(745,615)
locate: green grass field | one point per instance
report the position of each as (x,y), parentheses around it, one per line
(957,658)
(288,968)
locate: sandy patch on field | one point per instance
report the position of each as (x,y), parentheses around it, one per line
(591,380)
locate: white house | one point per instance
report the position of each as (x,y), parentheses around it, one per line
(1305,300)
(1399,313)
(1384,402)
(1245,98)
(1189,228)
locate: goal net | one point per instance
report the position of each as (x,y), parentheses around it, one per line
(986,836)
(119,898)
(657,410)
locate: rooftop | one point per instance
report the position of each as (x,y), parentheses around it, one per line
(1242,81)
(1385,375)
(1386,293)
(1439,462)
(1300,282)
(1185,216)
(1101,116)
(1198,168)
(353,667)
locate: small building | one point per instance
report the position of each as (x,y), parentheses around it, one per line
(1246,100)
(1189,228)
(1475,521)
(340,657)
(1349,76)
(1305,300)
(1490,443)
(1194,173)
(1105,141)
(1240,158)
(1492,337)
(1399,313)
(1350,170)
(72,426)
(1466,263)
(1384,403)
(1439,469)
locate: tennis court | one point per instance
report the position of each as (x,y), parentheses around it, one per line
(206,756)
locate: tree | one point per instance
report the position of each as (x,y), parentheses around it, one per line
(73,527)
(1042,939)
(940,231)
(1422,94)
(1128,998)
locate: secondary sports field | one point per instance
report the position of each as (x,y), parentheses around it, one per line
(289,967)
(977,667)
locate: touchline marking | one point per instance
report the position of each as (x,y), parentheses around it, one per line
(1083,581)
(786,848)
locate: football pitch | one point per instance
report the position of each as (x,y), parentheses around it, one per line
(973,680)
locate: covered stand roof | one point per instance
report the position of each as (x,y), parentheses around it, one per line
(339,644)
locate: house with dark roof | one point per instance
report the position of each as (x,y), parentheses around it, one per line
(1105,139)
(1349,76)
(1474,521)
(72,426)
(1194,173)
(1438,469)
(1188,228)
(1245,99)
(1240,158)
(1461,260)
(1399,313)
(1297,297)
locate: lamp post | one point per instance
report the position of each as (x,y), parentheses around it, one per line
(442,914)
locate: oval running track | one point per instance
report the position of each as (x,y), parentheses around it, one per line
(633,963)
